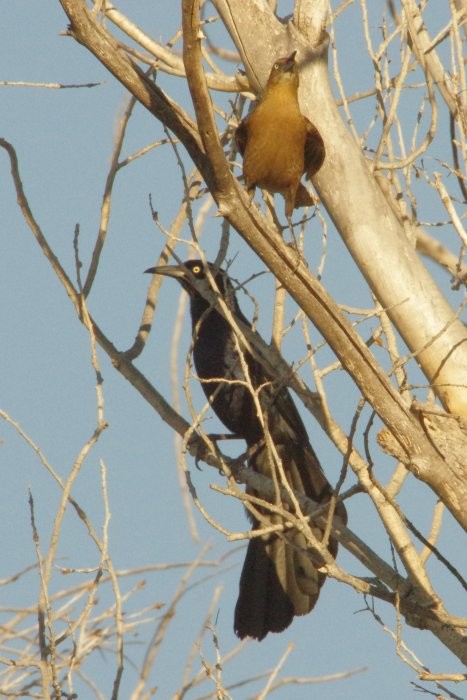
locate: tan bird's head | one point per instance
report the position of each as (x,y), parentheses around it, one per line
(284,70)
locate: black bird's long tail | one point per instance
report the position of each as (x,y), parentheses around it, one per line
(279,578)
(276,583)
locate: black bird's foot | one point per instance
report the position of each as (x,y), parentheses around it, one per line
(214,437)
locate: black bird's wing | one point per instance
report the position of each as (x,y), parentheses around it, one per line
(279,578)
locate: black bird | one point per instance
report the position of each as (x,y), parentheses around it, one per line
(279,579)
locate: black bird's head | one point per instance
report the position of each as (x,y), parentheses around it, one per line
(192,275)
(284,71)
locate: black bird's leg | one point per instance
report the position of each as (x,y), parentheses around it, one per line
(215,437)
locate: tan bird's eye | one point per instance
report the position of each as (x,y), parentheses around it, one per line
(276,66)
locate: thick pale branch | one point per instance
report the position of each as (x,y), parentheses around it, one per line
(267,243)
(371,232)
(421,457)
(207,153)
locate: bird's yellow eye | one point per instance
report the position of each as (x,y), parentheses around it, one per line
(196,269)
(276,66)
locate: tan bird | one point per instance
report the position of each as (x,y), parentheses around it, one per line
(277,142)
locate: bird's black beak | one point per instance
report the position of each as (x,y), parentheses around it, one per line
(176,271)
(289,62)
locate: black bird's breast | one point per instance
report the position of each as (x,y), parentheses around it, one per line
(221,370)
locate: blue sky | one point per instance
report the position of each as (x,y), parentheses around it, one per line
(64,140)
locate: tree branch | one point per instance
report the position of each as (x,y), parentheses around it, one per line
(421,457)
(372,233)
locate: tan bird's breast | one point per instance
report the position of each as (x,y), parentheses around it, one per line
(274,154)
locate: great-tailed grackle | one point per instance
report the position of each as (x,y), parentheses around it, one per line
(279,579)
(277,142)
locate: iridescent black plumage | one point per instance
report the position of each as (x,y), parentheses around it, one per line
(279,579)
